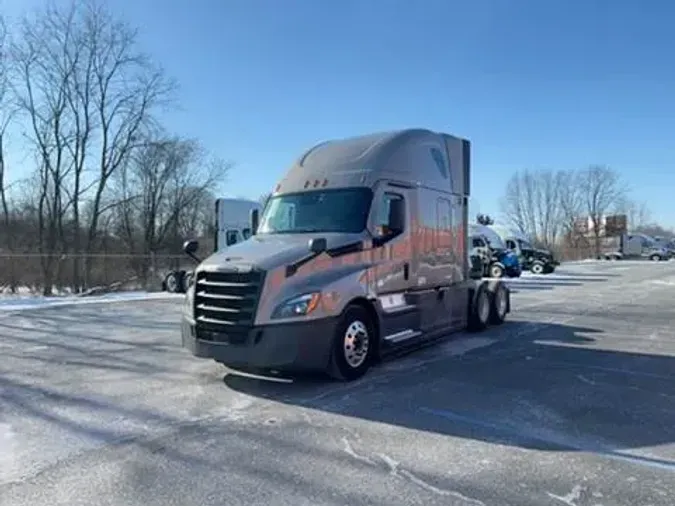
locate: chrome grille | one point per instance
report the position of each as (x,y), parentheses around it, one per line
(225,305)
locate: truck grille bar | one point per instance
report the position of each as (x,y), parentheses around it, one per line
(225,305)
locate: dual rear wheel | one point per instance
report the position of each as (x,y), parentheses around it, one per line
(488,307)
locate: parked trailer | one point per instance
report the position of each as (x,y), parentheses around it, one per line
(233,225)
(360,252)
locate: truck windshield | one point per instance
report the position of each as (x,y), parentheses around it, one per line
(525,245)
(496,242)
(344,210)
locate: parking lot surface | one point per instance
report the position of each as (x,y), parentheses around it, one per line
(572,402)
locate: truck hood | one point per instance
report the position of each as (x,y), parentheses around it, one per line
(543,252)
(269,251)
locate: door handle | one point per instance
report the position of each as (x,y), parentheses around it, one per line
(406,271)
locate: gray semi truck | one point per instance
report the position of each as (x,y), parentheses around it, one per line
(361,252)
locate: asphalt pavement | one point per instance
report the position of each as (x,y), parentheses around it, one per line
(572,402)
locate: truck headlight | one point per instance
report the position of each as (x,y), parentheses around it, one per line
(297,306)
(189,299)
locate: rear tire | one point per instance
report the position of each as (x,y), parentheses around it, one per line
(479,310)
(354,345)
(537,268)
(499,305)
(655,258)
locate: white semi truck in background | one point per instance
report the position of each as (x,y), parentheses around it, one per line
(232,220)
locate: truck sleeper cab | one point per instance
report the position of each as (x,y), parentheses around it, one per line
(360,252)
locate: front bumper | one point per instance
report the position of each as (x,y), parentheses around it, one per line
(285,347)
(514,271)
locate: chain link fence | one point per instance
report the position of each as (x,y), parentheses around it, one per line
(66,273)
(31,272)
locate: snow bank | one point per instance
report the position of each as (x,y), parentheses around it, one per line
(26,302)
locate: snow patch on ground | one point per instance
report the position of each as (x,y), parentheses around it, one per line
(7,437)
(29,302)
(666,281)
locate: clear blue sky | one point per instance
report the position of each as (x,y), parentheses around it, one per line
(533,83)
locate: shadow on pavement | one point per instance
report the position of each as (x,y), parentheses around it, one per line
(557,395)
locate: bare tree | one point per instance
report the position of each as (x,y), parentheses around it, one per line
(156,186)
(602,190)
(43,71)
(532,204)
(6,113)
(90,94)
(127,89)
(637,213)
(571,201)
(197,217)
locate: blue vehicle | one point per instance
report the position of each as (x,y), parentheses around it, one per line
(510,261)
(497,259)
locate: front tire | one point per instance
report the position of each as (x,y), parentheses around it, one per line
(655,258)
(353,345)
(496,271)
(172,282)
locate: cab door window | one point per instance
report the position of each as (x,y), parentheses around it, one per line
(390,219)
(232,237)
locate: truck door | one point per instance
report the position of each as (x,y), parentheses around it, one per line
(396,270)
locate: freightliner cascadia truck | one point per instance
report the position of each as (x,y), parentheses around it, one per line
(360,252)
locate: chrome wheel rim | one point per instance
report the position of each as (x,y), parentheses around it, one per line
(356,343)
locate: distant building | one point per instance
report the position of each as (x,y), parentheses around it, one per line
(610,226)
